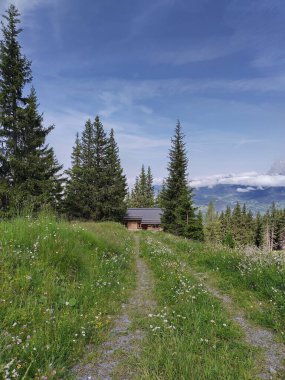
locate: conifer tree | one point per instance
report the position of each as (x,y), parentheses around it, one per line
(142,194)
(99,169)
(198,228)
(34,166)
(149,189)
(74,201)
(88,170)
(179,213)
(236,224)
(116,185)
(28,167)
(259,231)
(160,195)
(134,200)
(15,73)
(212,225)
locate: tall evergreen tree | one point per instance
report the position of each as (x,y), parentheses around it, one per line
(116,184)
(15,73)
(142,194)
(134,199)
(34,167)
(28,167)
(160,195)
(74,201)
(236,224)
(149,189)
(179,213)
(100,166)
(96,188)
(259,231)
(87,176)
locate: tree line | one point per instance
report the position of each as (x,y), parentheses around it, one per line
(240,227)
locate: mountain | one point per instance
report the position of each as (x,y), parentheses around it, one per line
(256,198)
(257,191)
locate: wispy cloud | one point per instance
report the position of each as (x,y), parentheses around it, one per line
(26,5)
(243,179)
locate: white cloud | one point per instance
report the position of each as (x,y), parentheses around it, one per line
(245,189)
(244,179)
(26,5)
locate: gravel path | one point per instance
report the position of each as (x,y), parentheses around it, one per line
(274,352)
(123,340)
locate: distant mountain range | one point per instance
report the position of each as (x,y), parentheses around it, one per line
(257,191)
(255,198)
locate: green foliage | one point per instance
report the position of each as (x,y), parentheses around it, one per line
(59,285)
(179,215)
(190,331)
(255,278)
(228,240)
(28,167)
(116,183)
(142,194)
(241,228)
(96,187)
(212,225)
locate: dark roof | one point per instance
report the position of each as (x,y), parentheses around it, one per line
(145,215)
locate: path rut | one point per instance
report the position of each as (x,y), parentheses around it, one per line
(274,352)
(123,340)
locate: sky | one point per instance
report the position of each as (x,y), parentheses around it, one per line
(217,66)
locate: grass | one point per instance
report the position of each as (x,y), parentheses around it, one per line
(59,283)
(190,336)
(253,278)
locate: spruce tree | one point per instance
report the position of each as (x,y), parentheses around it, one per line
(179,213)
(74,201)
(100,179)
(198,228)
(149,189)
(160,195)
(88,172)
(212,225)
(15,73)
(236,224)
(28,167)
(259,233)
(35,169)
(142,194)
(116,184)
(134,200)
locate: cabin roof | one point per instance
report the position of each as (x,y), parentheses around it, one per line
(144,215)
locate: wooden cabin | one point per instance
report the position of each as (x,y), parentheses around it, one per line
(143,219)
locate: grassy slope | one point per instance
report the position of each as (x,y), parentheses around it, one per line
(190,335)
(59,283)
(255,281)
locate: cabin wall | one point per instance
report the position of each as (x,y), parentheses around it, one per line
(133,225)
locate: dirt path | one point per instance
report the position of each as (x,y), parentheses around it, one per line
(123,340)
(274,353)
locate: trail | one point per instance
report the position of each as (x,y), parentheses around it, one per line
(123,340)
(274,352)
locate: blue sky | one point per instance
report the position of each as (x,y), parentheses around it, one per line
(218,66)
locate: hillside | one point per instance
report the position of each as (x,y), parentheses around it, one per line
(94,301)
(59,285)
